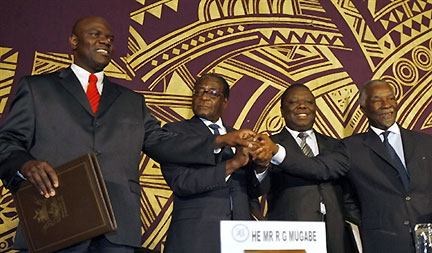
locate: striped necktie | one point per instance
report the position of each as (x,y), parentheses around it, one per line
(304,146)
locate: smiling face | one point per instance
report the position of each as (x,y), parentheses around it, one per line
(298,108)
(208,100)
(380,105)
(92,43)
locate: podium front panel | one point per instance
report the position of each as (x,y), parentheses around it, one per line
(243,236)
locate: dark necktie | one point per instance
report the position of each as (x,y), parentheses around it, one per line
(215,128)
(224,155)
(226,152)
(403,173)
(304,146)
(92,93)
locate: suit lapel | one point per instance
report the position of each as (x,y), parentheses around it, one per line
(373,141)
(411,161)
(109,95)
(197,126)
(71,83)
(323,144)
(200,128)
(409,145)
(288,141)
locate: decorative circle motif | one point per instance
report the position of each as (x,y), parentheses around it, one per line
(397,87)
(406,71)
(240,233)
(422,58)
(274,124)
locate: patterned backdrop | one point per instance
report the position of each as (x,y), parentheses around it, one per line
(260,46)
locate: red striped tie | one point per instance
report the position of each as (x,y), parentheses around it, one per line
(92,93)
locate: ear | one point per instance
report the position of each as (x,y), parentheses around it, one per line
(73,41)
(225,103)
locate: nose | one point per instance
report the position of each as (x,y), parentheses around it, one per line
(386,103)
(205,95)
(301,104)
(106,40)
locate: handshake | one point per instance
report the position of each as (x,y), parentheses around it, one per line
(249,146)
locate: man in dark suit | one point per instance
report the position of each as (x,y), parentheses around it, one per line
(205,195)
(51,121)
(389,167)
(295,198)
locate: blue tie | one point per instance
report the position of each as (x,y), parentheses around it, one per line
(403,173)
(226,152)
(215,128)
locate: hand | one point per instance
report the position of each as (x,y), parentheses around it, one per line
(240,159)
(42,176)
(264,140)
(240,137)
(261,157)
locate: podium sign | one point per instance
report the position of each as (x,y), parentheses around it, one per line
(238,236)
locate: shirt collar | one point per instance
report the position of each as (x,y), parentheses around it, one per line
(83,77)
(208,122)
(393,129)
(295,133)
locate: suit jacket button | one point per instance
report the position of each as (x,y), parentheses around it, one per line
(406,223)
(98,152)
(408,198)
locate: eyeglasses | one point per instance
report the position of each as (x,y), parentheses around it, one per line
(212,93)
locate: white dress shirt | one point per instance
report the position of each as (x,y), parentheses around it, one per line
(394,138)
(310,140)
(83,77)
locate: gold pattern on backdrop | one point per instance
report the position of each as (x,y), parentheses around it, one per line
(8,64)
(271,44)
(8,215)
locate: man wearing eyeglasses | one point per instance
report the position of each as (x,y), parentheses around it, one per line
(203,196)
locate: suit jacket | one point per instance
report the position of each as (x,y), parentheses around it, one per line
(388,211)
(202,198)
(51,119)
(294,198)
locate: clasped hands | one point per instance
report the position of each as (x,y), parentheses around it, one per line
(249,145)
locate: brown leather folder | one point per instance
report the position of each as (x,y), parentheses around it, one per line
(80,210)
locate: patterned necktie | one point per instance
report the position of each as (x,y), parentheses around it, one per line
(215,128)
(308,152)
(92,93)
(304,146)
(403,173)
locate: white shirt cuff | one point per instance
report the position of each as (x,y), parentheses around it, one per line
(280,156)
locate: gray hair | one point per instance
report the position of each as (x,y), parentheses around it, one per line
(363,95)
